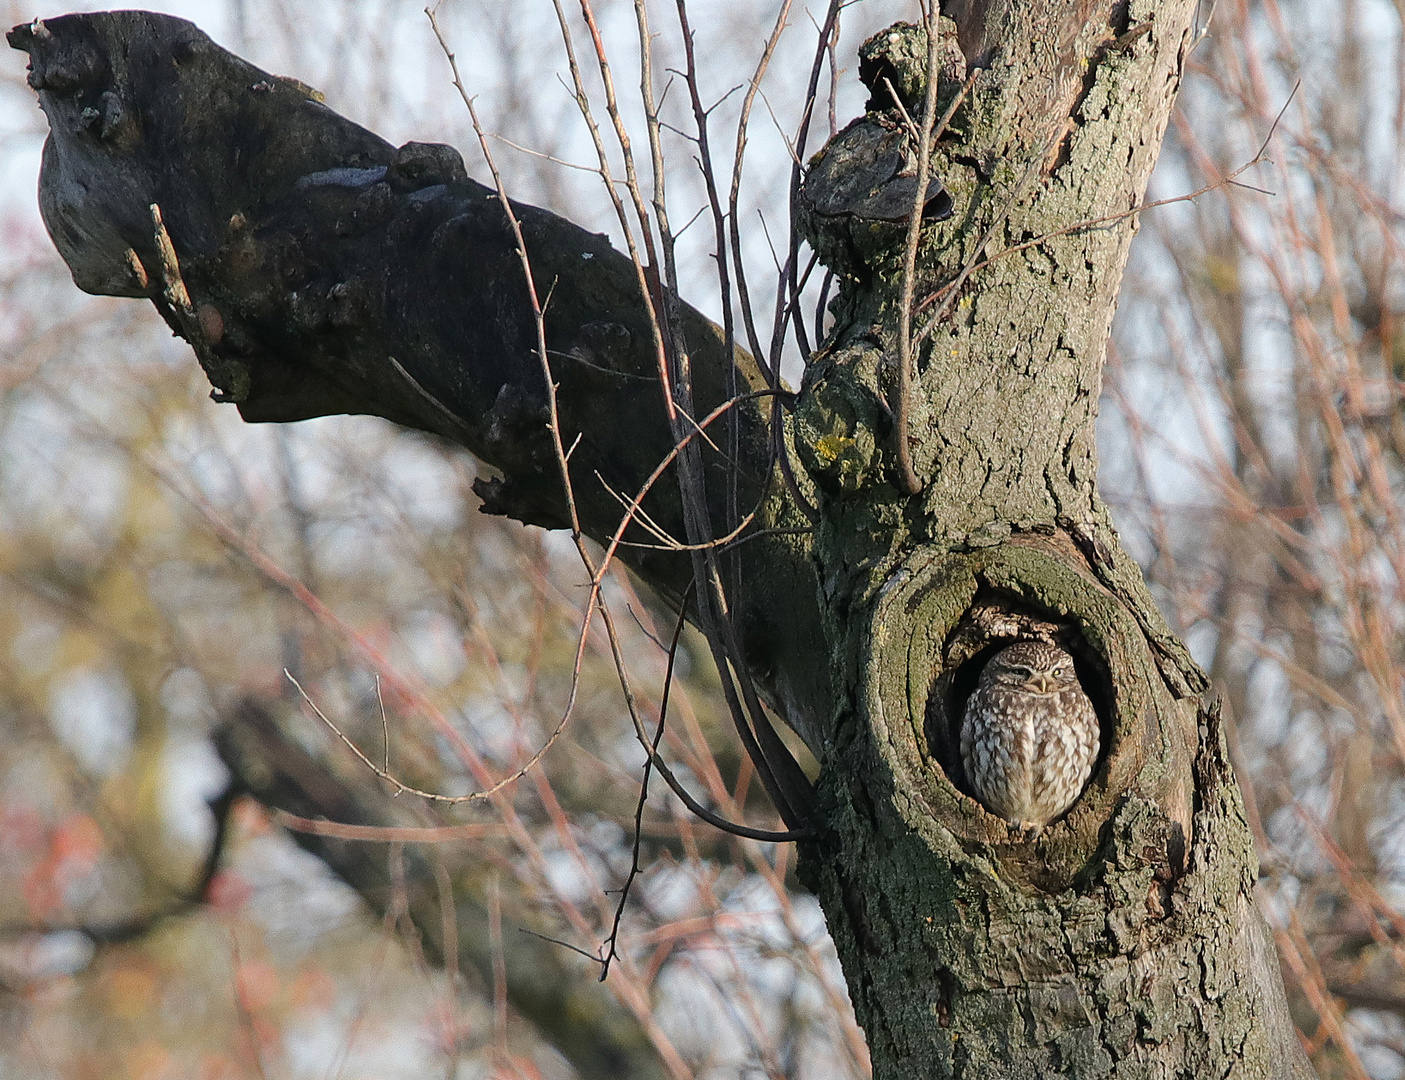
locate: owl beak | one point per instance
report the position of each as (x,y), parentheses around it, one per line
(1041,682)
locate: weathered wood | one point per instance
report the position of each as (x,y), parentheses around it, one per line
(330,272)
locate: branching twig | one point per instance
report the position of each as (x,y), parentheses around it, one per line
(785,782)
(672,370)
(947,292)
(734,194)
(608,948)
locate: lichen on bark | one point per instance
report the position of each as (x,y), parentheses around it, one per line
(972,948)
(332,272)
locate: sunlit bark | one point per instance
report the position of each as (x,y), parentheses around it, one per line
(330,272)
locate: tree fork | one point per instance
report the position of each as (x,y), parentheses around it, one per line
(329,272)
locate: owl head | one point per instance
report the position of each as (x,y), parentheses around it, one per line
(1034,667)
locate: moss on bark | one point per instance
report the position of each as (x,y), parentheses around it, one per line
(1121,941)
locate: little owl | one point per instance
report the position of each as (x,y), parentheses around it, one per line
(1029,735)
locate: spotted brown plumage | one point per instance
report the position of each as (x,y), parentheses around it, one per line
(1029,735)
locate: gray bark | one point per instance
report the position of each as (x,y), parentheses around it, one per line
(330,272)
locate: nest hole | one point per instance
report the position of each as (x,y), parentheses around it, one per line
(994,621)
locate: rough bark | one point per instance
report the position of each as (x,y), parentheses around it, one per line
(330,272)
(1123,940)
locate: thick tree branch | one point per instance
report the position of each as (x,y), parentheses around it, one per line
(330,273)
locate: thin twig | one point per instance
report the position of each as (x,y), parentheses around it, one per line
(734,194)
(901,407)
(947,292)
(563,944)
(385,724)
(395,782)
(724,282)
(595,598)
(785,782)
(608,948)
(669,543)
(824,47)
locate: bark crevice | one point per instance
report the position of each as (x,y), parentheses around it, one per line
(330,272)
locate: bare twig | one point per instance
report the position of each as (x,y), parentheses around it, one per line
(734,194)
(785,782)
(947,292)
(608,948)
(400,786)
(678,399)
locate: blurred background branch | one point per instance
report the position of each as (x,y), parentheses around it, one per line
(1253,447)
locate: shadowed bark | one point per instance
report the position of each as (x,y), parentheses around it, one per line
(329,272)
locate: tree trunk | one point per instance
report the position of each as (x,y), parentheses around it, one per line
(329,272)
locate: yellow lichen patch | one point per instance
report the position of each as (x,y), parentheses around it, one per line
(830,448)
(309,92)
